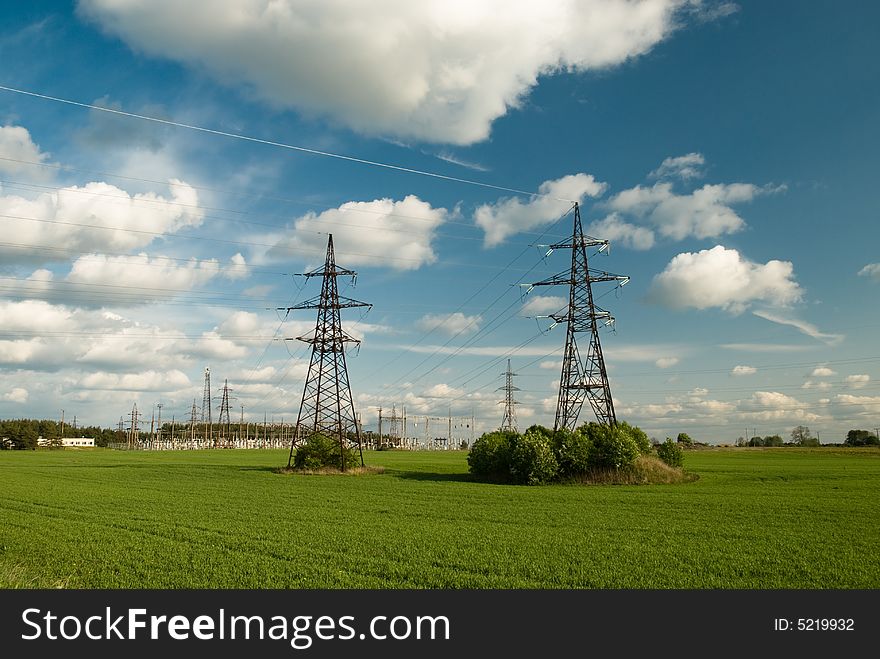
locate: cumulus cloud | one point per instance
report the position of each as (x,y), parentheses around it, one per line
(17,149)
(15,395)
(776,406)
(703,213)
(539,305)
(510,216)
(860,406)
(858,381)
(684,167)
(666,362)
(145,381)
(449,323)
(743,370)
(872,271)
(821,386)
(435,71)
(96,217)
(616,230)
(822,372)
(723,278)
(383,232)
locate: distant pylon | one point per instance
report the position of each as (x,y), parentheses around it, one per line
(206,404)
(133,436)
(224,409)
(327,406)
(509,420)
(193,417)
(586,378)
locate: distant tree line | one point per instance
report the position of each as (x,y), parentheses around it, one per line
(801,436)
(23,433)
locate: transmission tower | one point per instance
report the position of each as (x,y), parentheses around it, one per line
(206,405)
(133,436)
(582,378)
(224,409)
(509,420)
(193,418)
(327,406)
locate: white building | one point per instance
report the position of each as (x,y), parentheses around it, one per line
(78,442)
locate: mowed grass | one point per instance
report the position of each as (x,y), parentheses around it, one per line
(772,518)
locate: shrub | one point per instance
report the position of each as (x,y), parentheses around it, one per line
(533,460)
(684,438)
(320,451)
(639,436)
(611,447)
(572,452)
(490,455)
(670,452)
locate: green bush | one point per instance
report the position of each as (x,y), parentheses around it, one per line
(572,452)
(684,438)
(489,457)
(670,452)
(320,451)
(639,436)
(611,448)
(533,460)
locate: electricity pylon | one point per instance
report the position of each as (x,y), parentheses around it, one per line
(582,378)
(327,406)
(224,420)
(206,406)
(509,420)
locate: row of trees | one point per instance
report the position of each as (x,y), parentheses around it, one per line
(23,433)
(801,436)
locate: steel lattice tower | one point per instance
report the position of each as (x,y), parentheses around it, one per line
(509,420)
(206,405)
(327,406)
(582,378)
(224,420)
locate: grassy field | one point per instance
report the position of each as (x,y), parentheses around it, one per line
(771,518)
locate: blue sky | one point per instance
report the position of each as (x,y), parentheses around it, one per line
(727,150)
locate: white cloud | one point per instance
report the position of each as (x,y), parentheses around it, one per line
(821,386)
(764,347)
(383,232)
(550,364)
(666,362)
(858,381)
(438,71)
(822,372)
(801,325)
(684,167)
(510,216)
(776,406)
(613,228)
(723,278)
(16,145)
(538,305)
(93,218)
(704,213)
(449,323)
(145,381)
(15,395)
(872,270)
(743,370)
(862,406)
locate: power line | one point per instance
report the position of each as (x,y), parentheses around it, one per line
(282,145)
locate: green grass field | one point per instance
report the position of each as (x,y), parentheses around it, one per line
(772,518)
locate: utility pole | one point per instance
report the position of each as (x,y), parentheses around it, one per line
(241,423)
(152,424)
(327,406)
(192,423)
(582,378)
(379,445)
(62,425)
(509,421)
